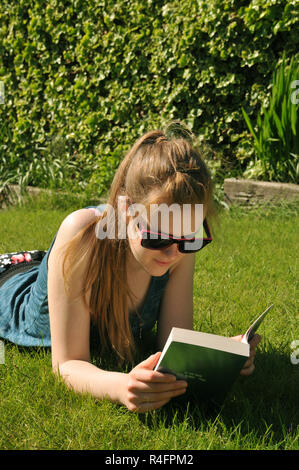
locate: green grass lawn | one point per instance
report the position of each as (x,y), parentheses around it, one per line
(251,263)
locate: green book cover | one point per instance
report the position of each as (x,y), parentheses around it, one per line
(209,363)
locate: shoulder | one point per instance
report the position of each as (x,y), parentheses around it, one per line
(74,222)
(77,220)
(185,266)
(70,226)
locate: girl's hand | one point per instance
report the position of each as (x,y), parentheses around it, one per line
(249,365)
(146,389)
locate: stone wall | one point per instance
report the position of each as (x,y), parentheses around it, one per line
(251,192)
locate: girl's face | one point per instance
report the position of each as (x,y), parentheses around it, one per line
(157,262)
(154,262)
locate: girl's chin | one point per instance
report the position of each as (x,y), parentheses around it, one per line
(158,269)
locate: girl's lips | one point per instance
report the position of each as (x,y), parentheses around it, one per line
(162,263)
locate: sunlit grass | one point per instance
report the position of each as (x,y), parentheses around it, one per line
(250,264)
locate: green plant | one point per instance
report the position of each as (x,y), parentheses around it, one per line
(276,137)
(100,73)
(6,179)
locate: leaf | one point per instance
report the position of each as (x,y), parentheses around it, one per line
(279,126)
(294,118)
(248,122)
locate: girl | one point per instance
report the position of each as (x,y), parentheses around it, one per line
(119,286)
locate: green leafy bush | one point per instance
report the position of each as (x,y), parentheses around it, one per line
(276,140)
(99,73)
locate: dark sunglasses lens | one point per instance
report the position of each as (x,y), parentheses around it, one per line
(191,246)
(156,244)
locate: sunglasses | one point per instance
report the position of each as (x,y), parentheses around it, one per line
(160,241)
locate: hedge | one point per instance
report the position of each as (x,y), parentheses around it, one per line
(96,74)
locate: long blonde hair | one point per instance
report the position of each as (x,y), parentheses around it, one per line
(161,166)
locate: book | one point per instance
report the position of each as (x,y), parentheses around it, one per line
(209,363)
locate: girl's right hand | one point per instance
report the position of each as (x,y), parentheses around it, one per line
(146,389)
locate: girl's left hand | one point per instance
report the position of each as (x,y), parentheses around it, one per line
(249,365)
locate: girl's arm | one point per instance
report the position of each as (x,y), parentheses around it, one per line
(177,307)
(177,304)
(142,389)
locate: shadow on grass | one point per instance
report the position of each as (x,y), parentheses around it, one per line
(266,404)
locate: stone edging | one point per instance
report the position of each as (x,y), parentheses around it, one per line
(237,191)
(252,192)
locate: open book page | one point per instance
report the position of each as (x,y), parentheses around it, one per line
(253,328)
(189,345)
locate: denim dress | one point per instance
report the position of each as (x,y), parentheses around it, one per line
(24,312)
